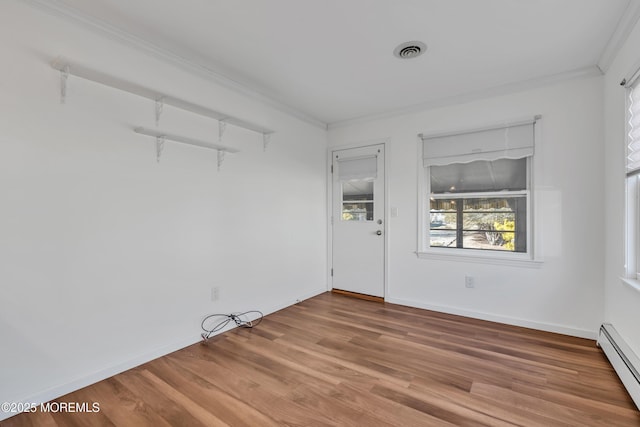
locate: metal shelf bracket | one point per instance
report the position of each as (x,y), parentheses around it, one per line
(159,146)
(64,77)
(222,126)
(266,139)
(159,108)
(220,158)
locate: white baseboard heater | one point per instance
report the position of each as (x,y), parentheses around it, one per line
(622,358)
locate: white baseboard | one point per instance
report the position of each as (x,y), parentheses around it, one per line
(624,361)
(92,378)
(291,302)
(548,327)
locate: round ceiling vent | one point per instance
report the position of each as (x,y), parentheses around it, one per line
(410,50)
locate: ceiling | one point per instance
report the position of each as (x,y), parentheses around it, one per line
(332,60)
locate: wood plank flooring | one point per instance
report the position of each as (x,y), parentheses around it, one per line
(335,360)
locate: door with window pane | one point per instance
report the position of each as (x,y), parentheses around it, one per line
(358,222)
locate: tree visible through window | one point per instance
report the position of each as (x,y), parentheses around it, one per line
(488,223)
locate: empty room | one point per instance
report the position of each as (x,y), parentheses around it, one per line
(320,212)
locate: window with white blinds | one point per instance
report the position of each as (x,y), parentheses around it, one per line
(476,193)
(633,124)
(633,180)
(358,168)
(512,141)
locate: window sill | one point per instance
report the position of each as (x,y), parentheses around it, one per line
(481,259)
(632,283)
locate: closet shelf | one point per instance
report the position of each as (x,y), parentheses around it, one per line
(66,69)
(156,133)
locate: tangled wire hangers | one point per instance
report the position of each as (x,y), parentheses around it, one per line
(219,321)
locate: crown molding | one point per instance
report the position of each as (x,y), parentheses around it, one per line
(69,14)
(627,22)
(55,7)
(586,72)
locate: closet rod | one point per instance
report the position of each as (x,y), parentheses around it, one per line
(65,66)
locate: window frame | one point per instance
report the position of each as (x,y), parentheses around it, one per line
(530,258)
(632,243)
(632,201)
(480,195)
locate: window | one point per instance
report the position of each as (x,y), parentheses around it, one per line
(476,191)
(356,176)
(479,205)
(357,200)
(632,181)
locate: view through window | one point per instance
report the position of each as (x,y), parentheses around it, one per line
(479,205)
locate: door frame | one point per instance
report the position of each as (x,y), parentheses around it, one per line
(387,213)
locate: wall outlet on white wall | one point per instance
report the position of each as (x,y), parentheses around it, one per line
(469,282)
(215,293)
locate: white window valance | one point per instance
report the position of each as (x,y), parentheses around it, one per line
(512,141)
(358,168)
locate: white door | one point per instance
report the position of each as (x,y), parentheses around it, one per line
(358,220)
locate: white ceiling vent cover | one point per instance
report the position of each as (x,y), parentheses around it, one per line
(411,49)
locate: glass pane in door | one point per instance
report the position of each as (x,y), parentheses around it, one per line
(357,200)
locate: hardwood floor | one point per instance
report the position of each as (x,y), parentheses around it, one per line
(335,360)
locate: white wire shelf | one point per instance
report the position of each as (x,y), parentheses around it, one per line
(156,133)
(66,68)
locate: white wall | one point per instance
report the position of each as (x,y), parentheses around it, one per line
(565,293)
(107,258)
(622,303)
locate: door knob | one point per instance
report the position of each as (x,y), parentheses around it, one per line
(379,232)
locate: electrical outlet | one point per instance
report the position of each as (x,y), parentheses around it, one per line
(469,282)
(215,293)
